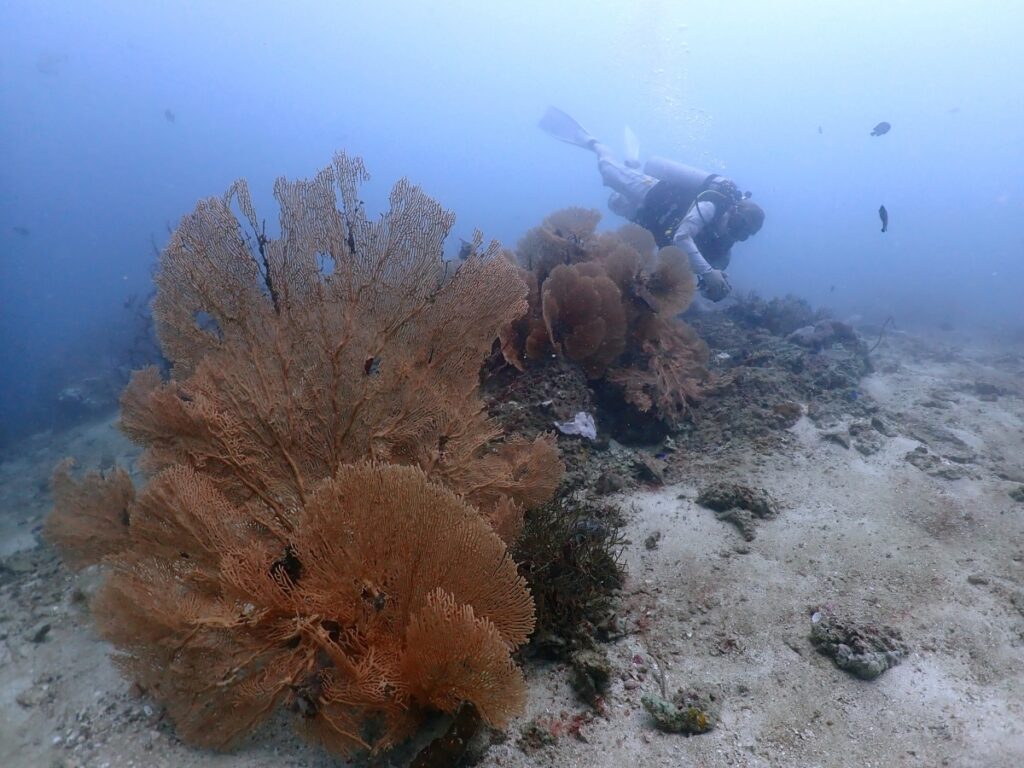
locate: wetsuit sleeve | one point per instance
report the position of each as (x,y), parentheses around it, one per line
(689,228)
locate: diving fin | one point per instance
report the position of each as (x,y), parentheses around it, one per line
(560,125)
(632,145)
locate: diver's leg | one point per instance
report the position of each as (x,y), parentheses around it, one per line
(628,182)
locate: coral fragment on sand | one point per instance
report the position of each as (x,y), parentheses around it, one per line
(689,712)
(739,505)
(591,674)
(863,650)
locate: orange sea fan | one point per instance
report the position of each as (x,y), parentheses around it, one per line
(665,374)
(266,562)
(305,370)
(609,302)
(390,599)
(584,315)
(91,516)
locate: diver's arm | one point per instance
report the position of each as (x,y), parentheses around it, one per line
(690,227)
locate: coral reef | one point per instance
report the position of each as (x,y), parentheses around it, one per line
(665,373)
(326,501)
(780,316)
(297,368)
(608,302)
(98,525)
(762,382)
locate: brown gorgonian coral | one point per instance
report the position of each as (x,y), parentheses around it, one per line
(609,303)
(326,500)
(391,598)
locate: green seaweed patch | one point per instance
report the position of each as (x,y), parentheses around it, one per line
(689,712)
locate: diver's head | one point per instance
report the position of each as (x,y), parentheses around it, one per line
(744,219)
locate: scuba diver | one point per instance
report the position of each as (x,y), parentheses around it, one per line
(702,213)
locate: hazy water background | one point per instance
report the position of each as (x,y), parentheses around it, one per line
(93,170)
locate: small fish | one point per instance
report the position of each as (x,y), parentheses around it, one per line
(884,216)
(20,230)
(819,130)
(880,129)
(169,116)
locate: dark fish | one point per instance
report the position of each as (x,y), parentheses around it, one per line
(884,216)
(819,129)
(881,128)
(20,230)
(169,116)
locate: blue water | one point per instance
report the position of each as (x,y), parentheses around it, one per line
(118,116)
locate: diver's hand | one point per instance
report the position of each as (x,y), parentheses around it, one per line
(714,285)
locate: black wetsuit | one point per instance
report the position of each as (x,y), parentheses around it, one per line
(667,204)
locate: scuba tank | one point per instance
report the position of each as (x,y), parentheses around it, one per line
(679,187)
(686,177)
(692,181)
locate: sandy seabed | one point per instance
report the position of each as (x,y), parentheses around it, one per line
(934,548)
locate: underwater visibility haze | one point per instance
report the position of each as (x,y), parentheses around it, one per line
(402,345)
(118,116)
